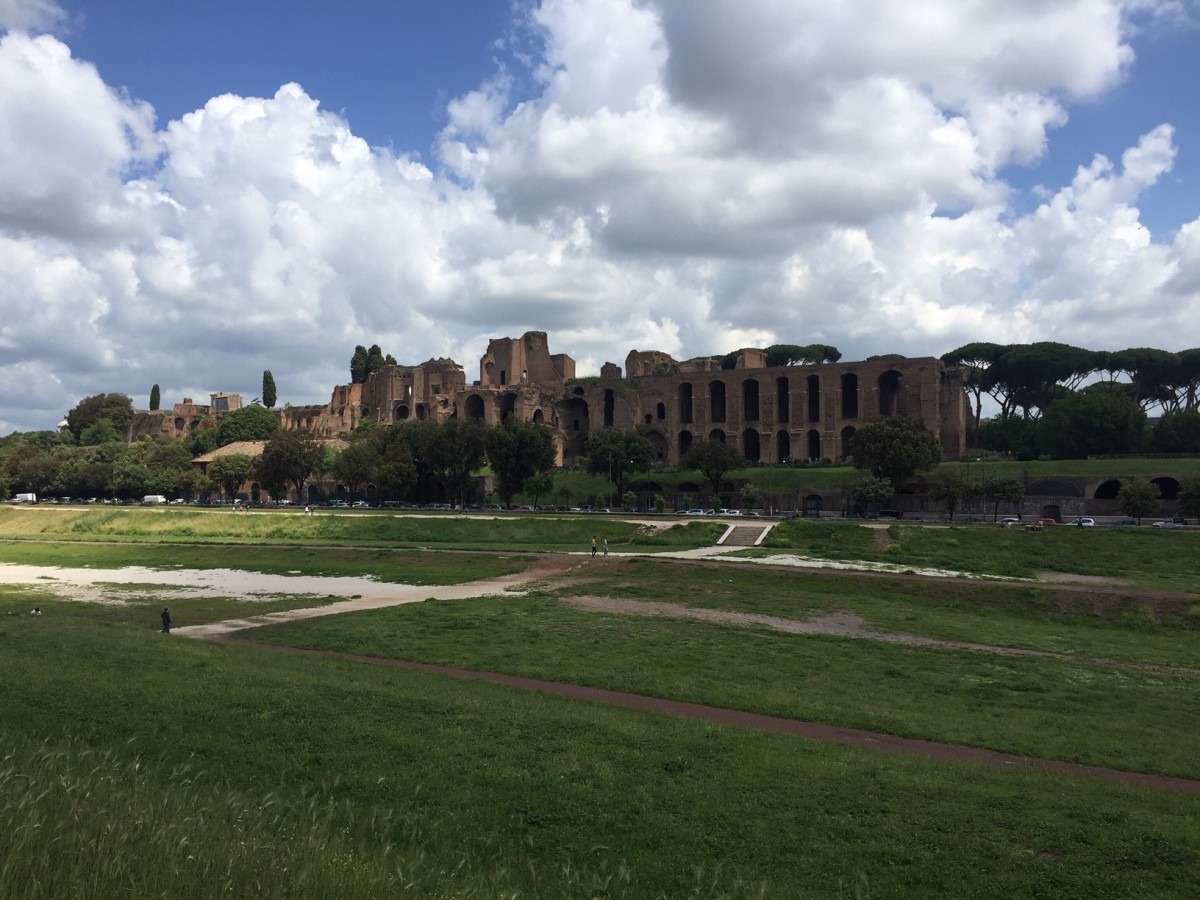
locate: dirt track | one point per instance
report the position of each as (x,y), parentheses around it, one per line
(852,737)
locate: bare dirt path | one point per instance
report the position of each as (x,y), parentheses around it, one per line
(851,737)
(847,625)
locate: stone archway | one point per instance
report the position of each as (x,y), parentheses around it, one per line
(813,445)
(751,445)
(1167,486)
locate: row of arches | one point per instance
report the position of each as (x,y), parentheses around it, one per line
(811,444)
(1106,490)
(889,388)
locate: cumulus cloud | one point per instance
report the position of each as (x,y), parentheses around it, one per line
(690,177)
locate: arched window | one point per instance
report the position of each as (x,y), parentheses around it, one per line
(716,401)
(508,403)
(783,401)
(474,408)
(750,411)
(751,445)
(783,446)
(849,396)
(890,384)
(813,385)
(814,445)
(847,434)
(685,403)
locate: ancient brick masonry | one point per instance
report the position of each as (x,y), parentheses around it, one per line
(772,414)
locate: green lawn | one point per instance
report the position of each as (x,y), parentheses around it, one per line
(1163,559)
(141,765)
(369,529)
(191,766)
(1074,711)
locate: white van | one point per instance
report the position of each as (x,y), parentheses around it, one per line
(153,500)
(25,498)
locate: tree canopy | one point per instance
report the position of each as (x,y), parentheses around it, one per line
(615,453)
(894,448)
(1138,498)
(250,423)
(268,390)
(117,408)
(516,451)
(290,458)
(1091,422)
(365,362)
(712,459)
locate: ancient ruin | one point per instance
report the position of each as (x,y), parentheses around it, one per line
(773,414)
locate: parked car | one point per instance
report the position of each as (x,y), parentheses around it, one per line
(1167,523)
(1083,522)
(1046,520)
(1125,523)
(1009,522)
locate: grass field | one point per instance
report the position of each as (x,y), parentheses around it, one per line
(1167,559)
(139,765)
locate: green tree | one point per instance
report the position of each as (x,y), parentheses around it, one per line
(358,365)
(268,390)
(1091,422)
(1011,433)
(712,459)
(193,483)
(539,485)
(616,453)
(117,408)
(155,398)
(38,471)
(1001,489)
(1138,498)
(895,447)
(129,476)
(794,355)
(952,486)
(750,495)
(1177,431)
(166,459)
(516,451)
(1189,497)
(250,423)
(231,471)
(102,431)
(449,453)
(974,360)
(870,492)
(357,465)
(396,473)
(290,458)
(1029,377)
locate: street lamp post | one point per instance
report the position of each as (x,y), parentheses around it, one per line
(610,484)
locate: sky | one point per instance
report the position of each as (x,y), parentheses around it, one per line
(194,192)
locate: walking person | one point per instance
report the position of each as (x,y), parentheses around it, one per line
(593,548)
(606,547)
(166,620)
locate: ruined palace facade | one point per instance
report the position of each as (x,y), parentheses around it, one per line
(773,414)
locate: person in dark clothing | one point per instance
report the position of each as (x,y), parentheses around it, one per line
(166,620)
